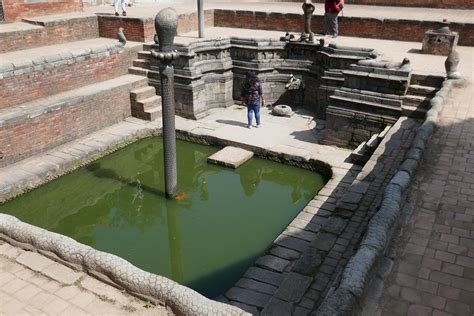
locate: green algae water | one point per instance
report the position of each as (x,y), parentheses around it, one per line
(225,221)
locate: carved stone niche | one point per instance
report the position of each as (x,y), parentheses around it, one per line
(440,41)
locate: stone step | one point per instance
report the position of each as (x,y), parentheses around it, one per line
(416,100)
(48,30)
(426,80)
(151,114)
(414,111)
(142,93)
(144,55)
(332,73)
(364,106)
(61,67)
(87,109)
(142,63)
(138,71)
(332,81)
(418,90)
(148,103)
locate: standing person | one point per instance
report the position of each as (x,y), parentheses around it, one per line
(331,11)
(252,95)
(124,7)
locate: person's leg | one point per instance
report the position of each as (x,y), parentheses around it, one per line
(325,24)
(333,23)
(249,115)
(336,25)
(116,4)
(257,114)
(124,7)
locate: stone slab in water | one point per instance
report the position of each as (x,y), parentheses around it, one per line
(230,157)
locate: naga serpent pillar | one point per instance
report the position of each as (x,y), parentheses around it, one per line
(166,23)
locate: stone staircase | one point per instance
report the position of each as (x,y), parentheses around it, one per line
(57,86)
(146,105)
(420,91)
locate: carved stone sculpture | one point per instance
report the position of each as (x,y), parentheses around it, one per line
(308,9)
(294,83)
(166,23)
(403,65)
(121,36)
(451,65)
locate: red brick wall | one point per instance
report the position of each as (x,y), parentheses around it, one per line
(50,81)
(73,30)
(15,10)
(143,30)
(447,4)
(403,30)
(28,137)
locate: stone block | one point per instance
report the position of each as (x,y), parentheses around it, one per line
(61,273)
(263,275)
(34,261)
(293,287)
(272,263)
(438,43)
(335,225)
(247,296)
(285,253)
(309,262)
(277,307)
(324,241)
(256,286)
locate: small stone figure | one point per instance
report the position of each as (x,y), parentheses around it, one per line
(308,9)
(121,36)
(287,38)
(294,83)
(451,65)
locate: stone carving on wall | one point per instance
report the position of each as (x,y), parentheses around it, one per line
(404,65)
(294,83)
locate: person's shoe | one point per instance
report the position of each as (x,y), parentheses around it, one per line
(116,14)
(124,13)
(260,125)
(249,126)
(334,36)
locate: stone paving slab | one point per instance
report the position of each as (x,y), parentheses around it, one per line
(31,284)
(230,156)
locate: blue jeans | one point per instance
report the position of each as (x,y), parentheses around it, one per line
(330,24)
(251,109)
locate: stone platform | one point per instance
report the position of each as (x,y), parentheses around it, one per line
(230,156)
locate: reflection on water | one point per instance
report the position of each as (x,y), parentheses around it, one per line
(206,240)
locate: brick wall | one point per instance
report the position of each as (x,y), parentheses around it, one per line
(16,10)
(403,30)
(143,30)
(50,34)
(58,73)
(25,138)
(447,4)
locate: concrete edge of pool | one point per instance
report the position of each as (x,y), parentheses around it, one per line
(121,273)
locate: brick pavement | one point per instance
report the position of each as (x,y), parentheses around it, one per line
(31,284)
(434,266)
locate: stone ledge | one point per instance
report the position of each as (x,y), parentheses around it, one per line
(27,66)
(358,270)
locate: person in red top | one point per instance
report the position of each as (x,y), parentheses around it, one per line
(331,11)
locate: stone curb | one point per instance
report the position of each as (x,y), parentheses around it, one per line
(342,300)
(181,299)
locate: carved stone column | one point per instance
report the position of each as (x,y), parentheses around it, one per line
(166,23)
